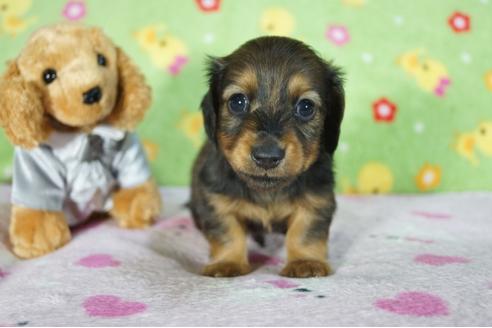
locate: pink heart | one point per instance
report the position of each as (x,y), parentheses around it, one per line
(415,304)
(259,258)
(111,306)
(282,283)
(98,261)
(3,274)
(439,260)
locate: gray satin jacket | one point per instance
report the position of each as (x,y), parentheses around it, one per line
(77,172)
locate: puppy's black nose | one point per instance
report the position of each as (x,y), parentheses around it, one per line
(92,96)
(267,156)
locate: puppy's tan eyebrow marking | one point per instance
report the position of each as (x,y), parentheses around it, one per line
(313,96)
(230,90)
(298,84)
(245,78)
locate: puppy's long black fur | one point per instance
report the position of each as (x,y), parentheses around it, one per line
(272,116)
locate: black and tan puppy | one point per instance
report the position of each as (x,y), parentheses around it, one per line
(272,116)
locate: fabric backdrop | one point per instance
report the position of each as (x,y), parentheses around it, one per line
(419,78)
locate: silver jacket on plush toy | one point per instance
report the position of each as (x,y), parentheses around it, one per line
(77,172)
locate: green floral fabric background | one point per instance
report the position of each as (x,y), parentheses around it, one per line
(419,78)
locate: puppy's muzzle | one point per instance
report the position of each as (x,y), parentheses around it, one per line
(92,96)
(268,154)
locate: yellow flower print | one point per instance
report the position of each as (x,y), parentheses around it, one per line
(429,177)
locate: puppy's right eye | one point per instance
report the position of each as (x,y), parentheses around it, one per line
(49,75)
(238,104)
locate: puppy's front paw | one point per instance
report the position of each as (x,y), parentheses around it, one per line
(136,208)
(226,269)
(306,269)
(35,233)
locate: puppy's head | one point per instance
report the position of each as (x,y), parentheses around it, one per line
(69,76)
(272,108)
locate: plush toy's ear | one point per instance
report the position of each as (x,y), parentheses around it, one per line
(134,95)
(336,107)
(22,112)
(210,103)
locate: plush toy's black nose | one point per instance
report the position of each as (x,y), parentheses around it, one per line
(92,96)
(268,155)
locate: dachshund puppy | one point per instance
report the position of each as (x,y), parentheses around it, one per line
(272,116)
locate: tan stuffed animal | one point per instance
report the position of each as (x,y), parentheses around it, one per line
(69,103)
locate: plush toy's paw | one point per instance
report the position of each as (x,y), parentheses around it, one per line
(306,269)
(34,233)
(137,207)
(226,269)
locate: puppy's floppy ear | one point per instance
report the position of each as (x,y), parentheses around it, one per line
(134,95)
(22,112)
(336,106)
(211,100)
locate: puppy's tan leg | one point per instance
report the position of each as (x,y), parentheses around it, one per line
(228,251)
(306,244)
(34,233)
(136,207)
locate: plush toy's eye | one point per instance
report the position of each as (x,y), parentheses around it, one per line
(238,103)
(101,60)
(49,75)
(305,109)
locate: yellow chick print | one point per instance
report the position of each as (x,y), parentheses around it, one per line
(373,178)
(468,143)
(277,21)
(192,126)
(431,74)
(483,137)
(164,49)
(487,78)
(465,146)
(11,16)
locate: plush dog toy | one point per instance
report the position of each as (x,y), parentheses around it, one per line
(69,103)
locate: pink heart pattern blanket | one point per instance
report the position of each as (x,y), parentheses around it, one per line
(398,260)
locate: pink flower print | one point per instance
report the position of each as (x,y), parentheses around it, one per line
(337,34)
(74,10)
(459,22)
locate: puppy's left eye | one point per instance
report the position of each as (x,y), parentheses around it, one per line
(305,109)
(238,103)
(101,60)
